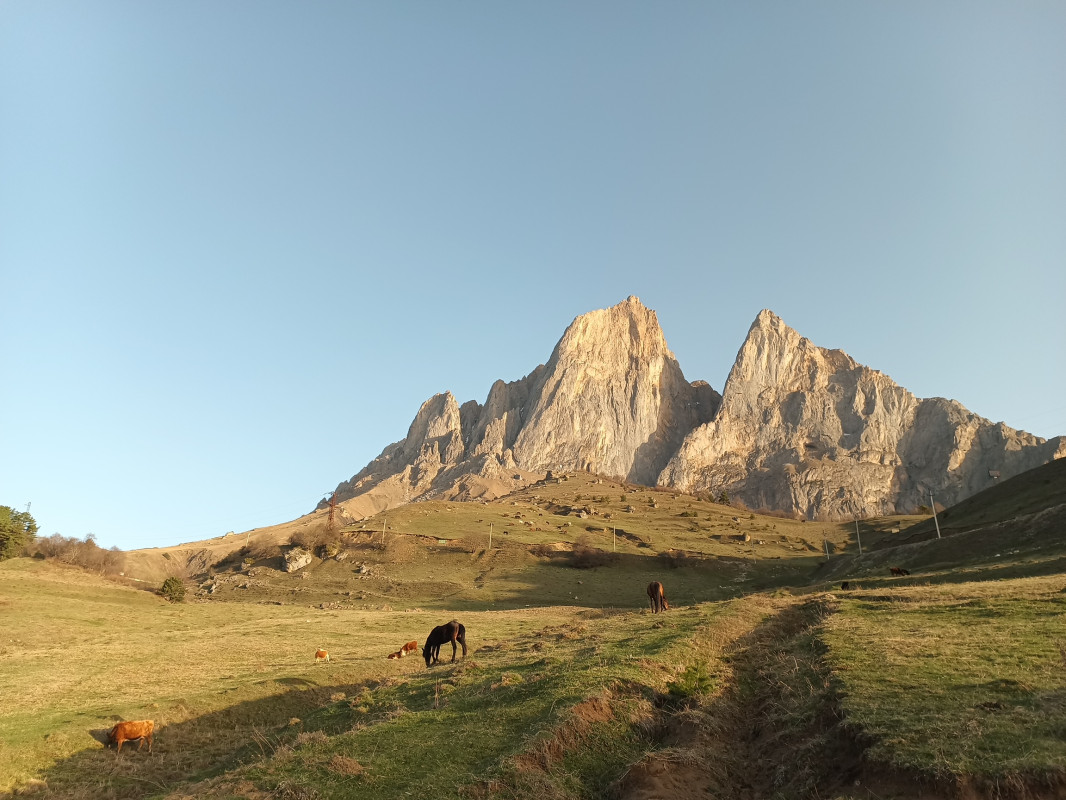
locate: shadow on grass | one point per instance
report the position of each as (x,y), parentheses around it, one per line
(192,750)
(499,706)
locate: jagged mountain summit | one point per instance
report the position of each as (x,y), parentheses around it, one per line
(798,429)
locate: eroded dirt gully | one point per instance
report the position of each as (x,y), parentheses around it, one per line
(774,731)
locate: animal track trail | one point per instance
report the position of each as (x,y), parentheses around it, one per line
(774,731)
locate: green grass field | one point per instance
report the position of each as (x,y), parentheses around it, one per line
(757,683)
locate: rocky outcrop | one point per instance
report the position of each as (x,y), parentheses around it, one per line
(611,399)
(297,559)
(799,429)
(807,430)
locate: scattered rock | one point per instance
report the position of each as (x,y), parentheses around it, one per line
(297,558)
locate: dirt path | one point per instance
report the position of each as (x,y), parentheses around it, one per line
(773,731)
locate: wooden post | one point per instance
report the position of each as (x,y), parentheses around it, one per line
(490,536)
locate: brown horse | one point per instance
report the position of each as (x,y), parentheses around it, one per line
(657,597)
(448,632)
(899,571)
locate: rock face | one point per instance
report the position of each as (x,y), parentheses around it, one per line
(799,429)
(296,559)
(807,430)
(611,399)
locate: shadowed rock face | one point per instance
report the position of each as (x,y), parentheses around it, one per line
(808,430)
(799,428)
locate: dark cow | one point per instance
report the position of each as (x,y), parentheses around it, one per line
(448,632)
(657,597)
(898,571)
(128,731)
(845,586)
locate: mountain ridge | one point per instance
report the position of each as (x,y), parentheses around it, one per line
(797,428)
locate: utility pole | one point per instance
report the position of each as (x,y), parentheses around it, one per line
(826,543)
(383,521)
(857,539)
(933,506)
(490,536)
(614,543)
(332,510)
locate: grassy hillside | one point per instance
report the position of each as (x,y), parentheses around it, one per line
(756,683)
(437,555)
(551,701)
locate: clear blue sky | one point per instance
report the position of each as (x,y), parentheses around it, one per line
(241,242)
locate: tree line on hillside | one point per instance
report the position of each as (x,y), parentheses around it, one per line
(18,537)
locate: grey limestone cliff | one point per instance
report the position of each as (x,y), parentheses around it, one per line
(611,399)
(798,429)
(807,430)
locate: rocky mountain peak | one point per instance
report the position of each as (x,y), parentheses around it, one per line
(798,428)
(612,398)
(810,431)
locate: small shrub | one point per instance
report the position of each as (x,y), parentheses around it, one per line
(542,550)
(674,558)
(694,681)
(260,550)
(586,556)
(173,590)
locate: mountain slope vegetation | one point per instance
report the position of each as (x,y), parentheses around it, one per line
(763,679)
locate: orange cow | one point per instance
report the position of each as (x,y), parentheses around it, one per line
(128,731)
(408,648)
(321,655)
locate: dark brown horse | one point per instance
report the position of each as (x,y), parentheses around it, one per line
(448,632)
(657,597)
(899,571)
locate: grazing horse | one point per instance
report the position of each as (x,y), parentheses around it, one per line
(657,597)
(898,571)
(448,632)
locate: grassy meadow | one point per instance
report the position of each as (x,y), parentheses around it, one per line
(763,680)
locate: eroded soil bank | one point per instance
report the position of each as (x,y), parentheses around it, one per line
(775,730)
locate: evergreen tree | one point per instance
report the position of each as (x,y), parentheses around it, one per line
(17,529)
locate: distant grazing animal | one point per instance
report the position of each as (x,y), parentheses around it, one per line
(845,586)
(898,571)
(128,731)
(321,655)
(408,648)
(657,597)
(448,632)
